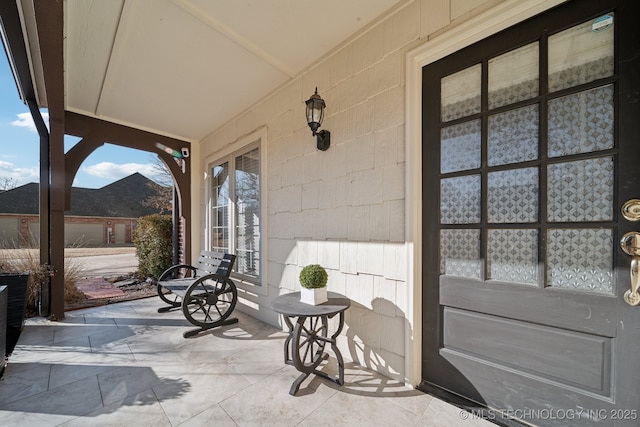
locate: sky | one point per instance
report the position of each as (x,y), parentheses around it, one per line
(20,145)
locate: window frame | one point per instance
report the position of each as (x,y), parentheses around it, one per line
(228,155)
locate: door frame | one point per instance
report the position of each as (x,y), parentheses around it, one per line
(453,37)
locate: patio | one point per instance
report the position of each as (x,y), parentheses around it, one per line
(124,364)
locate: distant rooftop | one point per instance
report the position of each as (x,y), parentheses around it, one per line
(128,198)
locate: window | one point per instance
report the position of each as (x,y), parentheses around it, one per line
(235,209)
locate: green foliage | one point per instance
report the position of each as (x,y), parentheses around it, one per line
(153,241)
(313,276)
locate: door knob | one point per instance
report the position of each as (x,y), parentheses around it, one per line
(630,244)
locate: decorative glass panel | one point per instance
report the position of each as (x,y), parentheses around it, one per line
(512,255)
(513,136)
(580,259)
(460,93)
(220,208)
(581,54)
(460,253)
(248,213)
(513,76)
(460,147)
(513,196)
(582,122)
(581,190)
(460,200)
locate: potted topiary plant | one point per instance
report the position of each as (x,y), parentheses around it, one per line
(313,279)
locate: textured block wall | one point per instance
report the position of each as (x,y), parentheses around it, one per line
(345,208)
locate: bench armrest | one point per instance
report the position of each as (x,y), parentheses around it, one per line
(214,276)
(169,271)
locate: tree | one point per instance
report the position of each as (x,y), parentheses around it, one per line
(7,183)
(163,198)
(161,173)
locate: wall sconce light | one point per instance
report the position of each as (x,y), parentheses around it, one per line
(315,114)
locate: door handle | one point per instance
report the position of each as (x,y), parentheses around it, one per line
(630,244)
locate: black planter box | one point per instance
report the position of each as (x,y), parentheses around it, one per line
(16,284)
(3,326)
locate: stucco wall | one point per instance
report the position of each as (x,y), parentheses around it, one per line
(344,208)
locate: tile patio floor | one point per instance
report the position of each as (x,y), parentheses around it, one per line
(127,365)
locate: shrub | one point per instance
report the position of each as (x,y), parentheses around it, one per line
(28,261)
(153,241)
(313,276)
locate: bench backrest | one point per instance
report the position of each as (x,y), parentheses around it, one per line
(215,262)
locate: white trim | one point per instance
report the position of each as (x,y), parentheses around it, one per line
(257,138)
(502,16)
(238,144)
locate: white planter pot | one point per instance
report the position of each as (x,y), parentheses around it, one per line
(314,296)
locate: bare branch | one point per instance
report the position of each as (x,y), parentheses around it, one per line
(163,188)
(7,183)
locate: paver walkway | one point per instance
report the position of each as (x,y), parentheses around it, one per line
(97,288)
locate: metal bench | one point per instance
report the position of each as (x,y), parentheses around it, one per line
(205,292)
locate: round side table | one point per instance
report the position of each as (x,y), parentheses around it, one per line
(305,344)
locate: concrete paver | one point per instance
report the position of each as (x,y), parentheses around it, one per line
(127,364)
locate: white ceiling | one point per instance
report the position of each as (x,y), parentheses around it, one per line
(183,68)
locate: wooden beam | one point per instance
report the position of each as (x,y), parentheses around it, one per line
(72,161)
(125,136)
(49,16)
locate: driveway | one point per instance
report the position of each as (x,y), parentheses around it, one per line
(107,265)
(105,261)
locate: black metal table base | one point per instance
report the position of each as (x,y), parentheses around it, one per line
(304,347)
(296,341)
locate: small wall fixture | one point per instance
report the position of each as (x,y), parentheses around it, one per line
(315,114)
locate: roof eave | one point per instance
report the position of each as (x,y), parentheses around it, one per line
(20,41)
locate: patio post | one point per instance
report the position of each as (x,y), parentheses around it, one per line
(50,23)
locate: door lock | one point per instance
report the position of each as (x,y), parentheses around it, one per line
(631,210)
(630,244)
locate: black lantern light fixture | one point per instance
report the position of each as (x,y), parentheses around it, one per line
(315,114)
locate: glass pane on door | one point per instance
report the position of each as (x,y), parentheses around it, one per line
(581,122)
(513,76)
(512,256)
(513,136)
(460,253)
(580,259)
(581,190)
(581,54)
(460,147)
(460,200)
(513,196)
(460,93)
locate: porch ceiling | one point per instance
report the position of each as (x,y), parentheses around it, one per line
(182,68)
